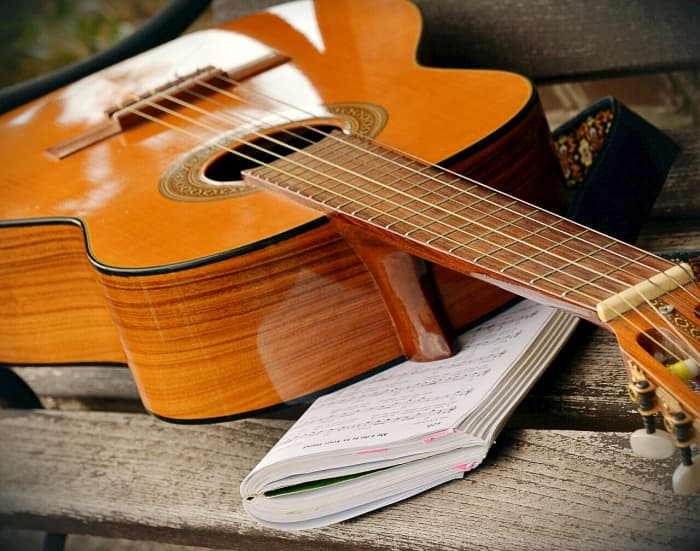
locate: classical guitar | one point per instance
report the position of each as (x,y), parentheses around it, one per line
(250,215)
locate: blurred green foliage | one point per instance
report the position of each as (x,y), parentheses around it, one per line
(41,35)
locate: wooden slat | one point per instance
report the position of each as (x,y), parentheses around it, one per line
(128,475)
(108,388)
(547,40)
(670,235)
(585,388)
(550,41)
(679,197)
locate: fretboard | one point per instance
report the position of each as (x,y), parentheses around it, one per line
(467,226)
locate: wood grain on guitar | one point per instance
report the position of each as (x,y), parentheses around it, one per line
(240,303)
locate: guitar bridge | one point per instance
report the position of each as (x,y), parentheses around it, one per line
(153,103)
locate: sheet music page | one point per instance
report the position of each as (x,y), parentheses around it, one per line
(414,399)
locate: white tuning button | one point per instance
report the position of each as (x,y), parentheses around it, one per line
(656,445)
(686,478)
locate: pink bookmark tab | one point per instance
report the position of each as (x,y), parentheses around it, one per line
(375,450)
(466,466)
(436,435)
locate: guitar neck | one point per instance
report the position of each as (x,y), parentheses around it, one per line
(463,225)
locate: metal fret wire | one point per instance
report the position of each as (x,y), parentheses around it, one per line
(514,223)
(458,177)
(491,230)
(325,175)
(490,254)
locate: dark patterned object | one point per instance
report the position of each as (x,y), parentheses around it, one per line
(614,164)
(578,148)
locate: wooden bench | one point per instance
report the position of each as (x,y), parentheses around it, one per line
(561,474)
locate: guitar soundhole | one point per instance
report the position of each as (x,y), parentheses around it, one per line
(209,173)
(228,166)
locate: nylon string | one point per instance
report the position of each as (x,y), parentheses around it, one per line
(399,206)
(552,270)
(424,164)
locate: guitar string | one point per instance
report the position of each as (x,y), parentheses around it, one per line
(521,217)
(289,174)
(364,191)
(458,178)
(181,116)
(593,254)
(257,162)
(584,281)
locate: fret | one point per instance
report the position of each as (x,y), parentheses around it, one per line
(423,198)
(541,229)
(580,261)
(391,195)
(440,212)
(602,275)
(502,229)
(587,254)
(461,210)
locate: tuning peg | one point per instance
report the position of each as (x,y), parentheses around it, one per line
(649,442)
(686,477)
(652,445)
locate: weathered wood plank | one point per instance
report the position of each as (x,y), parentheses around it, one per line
(128,475)
(670,235)
(109,388)
(585,388)
(679,197)
(547,40)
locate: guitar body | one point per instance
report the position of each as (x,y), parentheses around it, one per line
(224,299)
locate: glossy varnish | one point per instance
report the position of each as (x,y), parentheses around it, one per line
(225,306)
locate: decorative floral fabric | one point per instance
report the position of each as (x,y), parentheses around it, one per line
(578,148)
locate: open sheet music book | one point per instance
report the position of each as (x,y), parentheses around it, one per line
(409,428)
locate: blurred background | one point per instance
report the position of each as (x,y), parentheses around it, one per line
(41,35)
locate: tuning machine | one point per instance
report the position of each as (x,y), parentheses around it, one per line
(649,442)
(686,477)
(653,443)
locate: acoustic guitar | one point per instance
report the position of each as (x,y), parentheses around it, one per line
(251,215)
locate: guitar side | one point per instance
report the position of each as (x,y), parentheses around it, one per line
(232,305)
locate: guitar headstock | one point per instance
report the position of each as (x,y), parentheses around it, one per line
(660,344)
